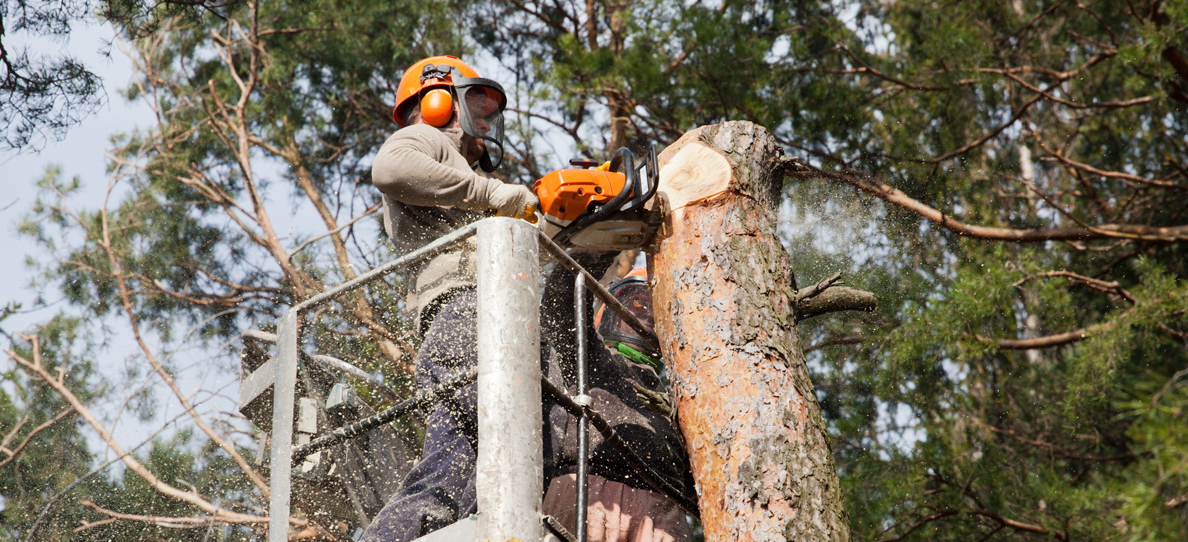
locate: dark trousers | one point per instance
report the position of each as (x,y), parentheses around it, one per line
(439,490)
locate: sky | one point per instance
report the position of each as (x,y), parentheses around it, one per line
(80,154)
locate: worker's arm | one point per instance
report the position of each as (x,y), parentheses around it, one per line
(413,167)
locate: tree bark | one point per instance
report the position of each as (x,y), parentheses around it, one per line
(724,298)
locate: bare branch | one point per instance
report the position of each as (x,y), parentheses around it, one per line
(35,367)
(836,341)
(370,210)
(866,68)
(1097,284)
(1110,174)
(16,452)
(1019,525)
(922,522)
(816,289)
(1048,341)
(835,299)
(1030,235)
(172,522)
(118,276)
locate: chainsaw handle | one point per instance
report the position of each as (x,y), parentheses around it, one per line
(625,157)
(653,178)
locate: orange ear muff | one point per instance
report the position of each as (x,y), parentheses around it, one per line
(437,107)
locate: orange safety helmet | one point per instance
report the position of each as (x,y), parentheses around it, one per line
(436,83)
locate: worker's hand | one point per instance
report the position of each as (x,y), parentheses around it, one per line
(514,200)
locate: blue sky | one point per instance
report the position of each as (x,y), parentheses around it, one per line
(79,154)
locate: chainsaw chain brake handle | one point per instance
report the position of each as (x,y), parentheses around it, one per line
(628,198)
(583,162)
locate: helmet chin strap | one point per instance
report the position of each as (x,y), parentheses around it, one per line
(458,135)
(485,160)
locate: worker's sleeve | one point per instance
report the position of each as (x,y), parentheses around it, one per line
(409,168)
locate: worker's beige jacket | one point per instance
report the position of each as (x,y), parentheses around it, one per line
(429,190)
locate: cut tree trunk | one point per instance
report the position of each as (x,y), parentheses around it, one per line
(724,300)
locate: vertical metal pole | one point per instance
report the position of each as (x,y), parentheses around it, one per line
(283,392)
(510,466)
(583,490)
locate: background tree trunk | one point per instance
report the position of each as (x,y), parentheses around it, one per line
(724,300)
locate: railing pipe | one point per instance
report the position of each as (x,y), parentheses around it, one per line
(510,465)
(441,244)
(583,488)
(283,398)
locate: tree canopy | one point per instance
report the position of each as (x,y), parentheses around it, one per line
(1010,179)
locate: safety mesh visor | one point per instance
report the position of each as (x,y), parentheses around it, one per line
(481,116)
(637,299)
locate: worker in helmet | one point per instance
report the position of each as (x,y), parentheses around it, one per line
(626,390)
(451,124)
(632,291)
(428,173)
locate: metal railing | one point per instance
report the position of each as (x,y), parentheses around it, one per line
(508,368)
(509,469)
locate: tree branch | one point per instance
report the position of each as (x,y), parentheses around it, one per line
(1049,341)
(836,341)
(835,299)
(816,289)
(1109,174)
(1019,525)
(35,367)
(825,296)
(12,454)
(1030,235)
(1097,284)
(923,521)
(370,210)
(117,275)
(190,522)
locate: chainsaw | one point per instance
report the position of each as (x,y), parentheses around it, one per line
(597,207)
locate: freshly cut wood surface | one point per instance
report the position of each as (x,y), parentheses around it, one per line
(693,173)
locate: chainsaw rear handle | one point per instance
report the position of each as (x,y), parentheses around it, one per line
(580,223)
(653,178)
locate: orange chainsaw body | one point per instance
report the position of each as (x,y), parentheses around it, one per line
(565,194)
(597,208)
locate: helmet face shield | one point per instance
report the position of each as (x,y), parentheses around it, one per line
(639,303)
(480,112)
(633,293)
